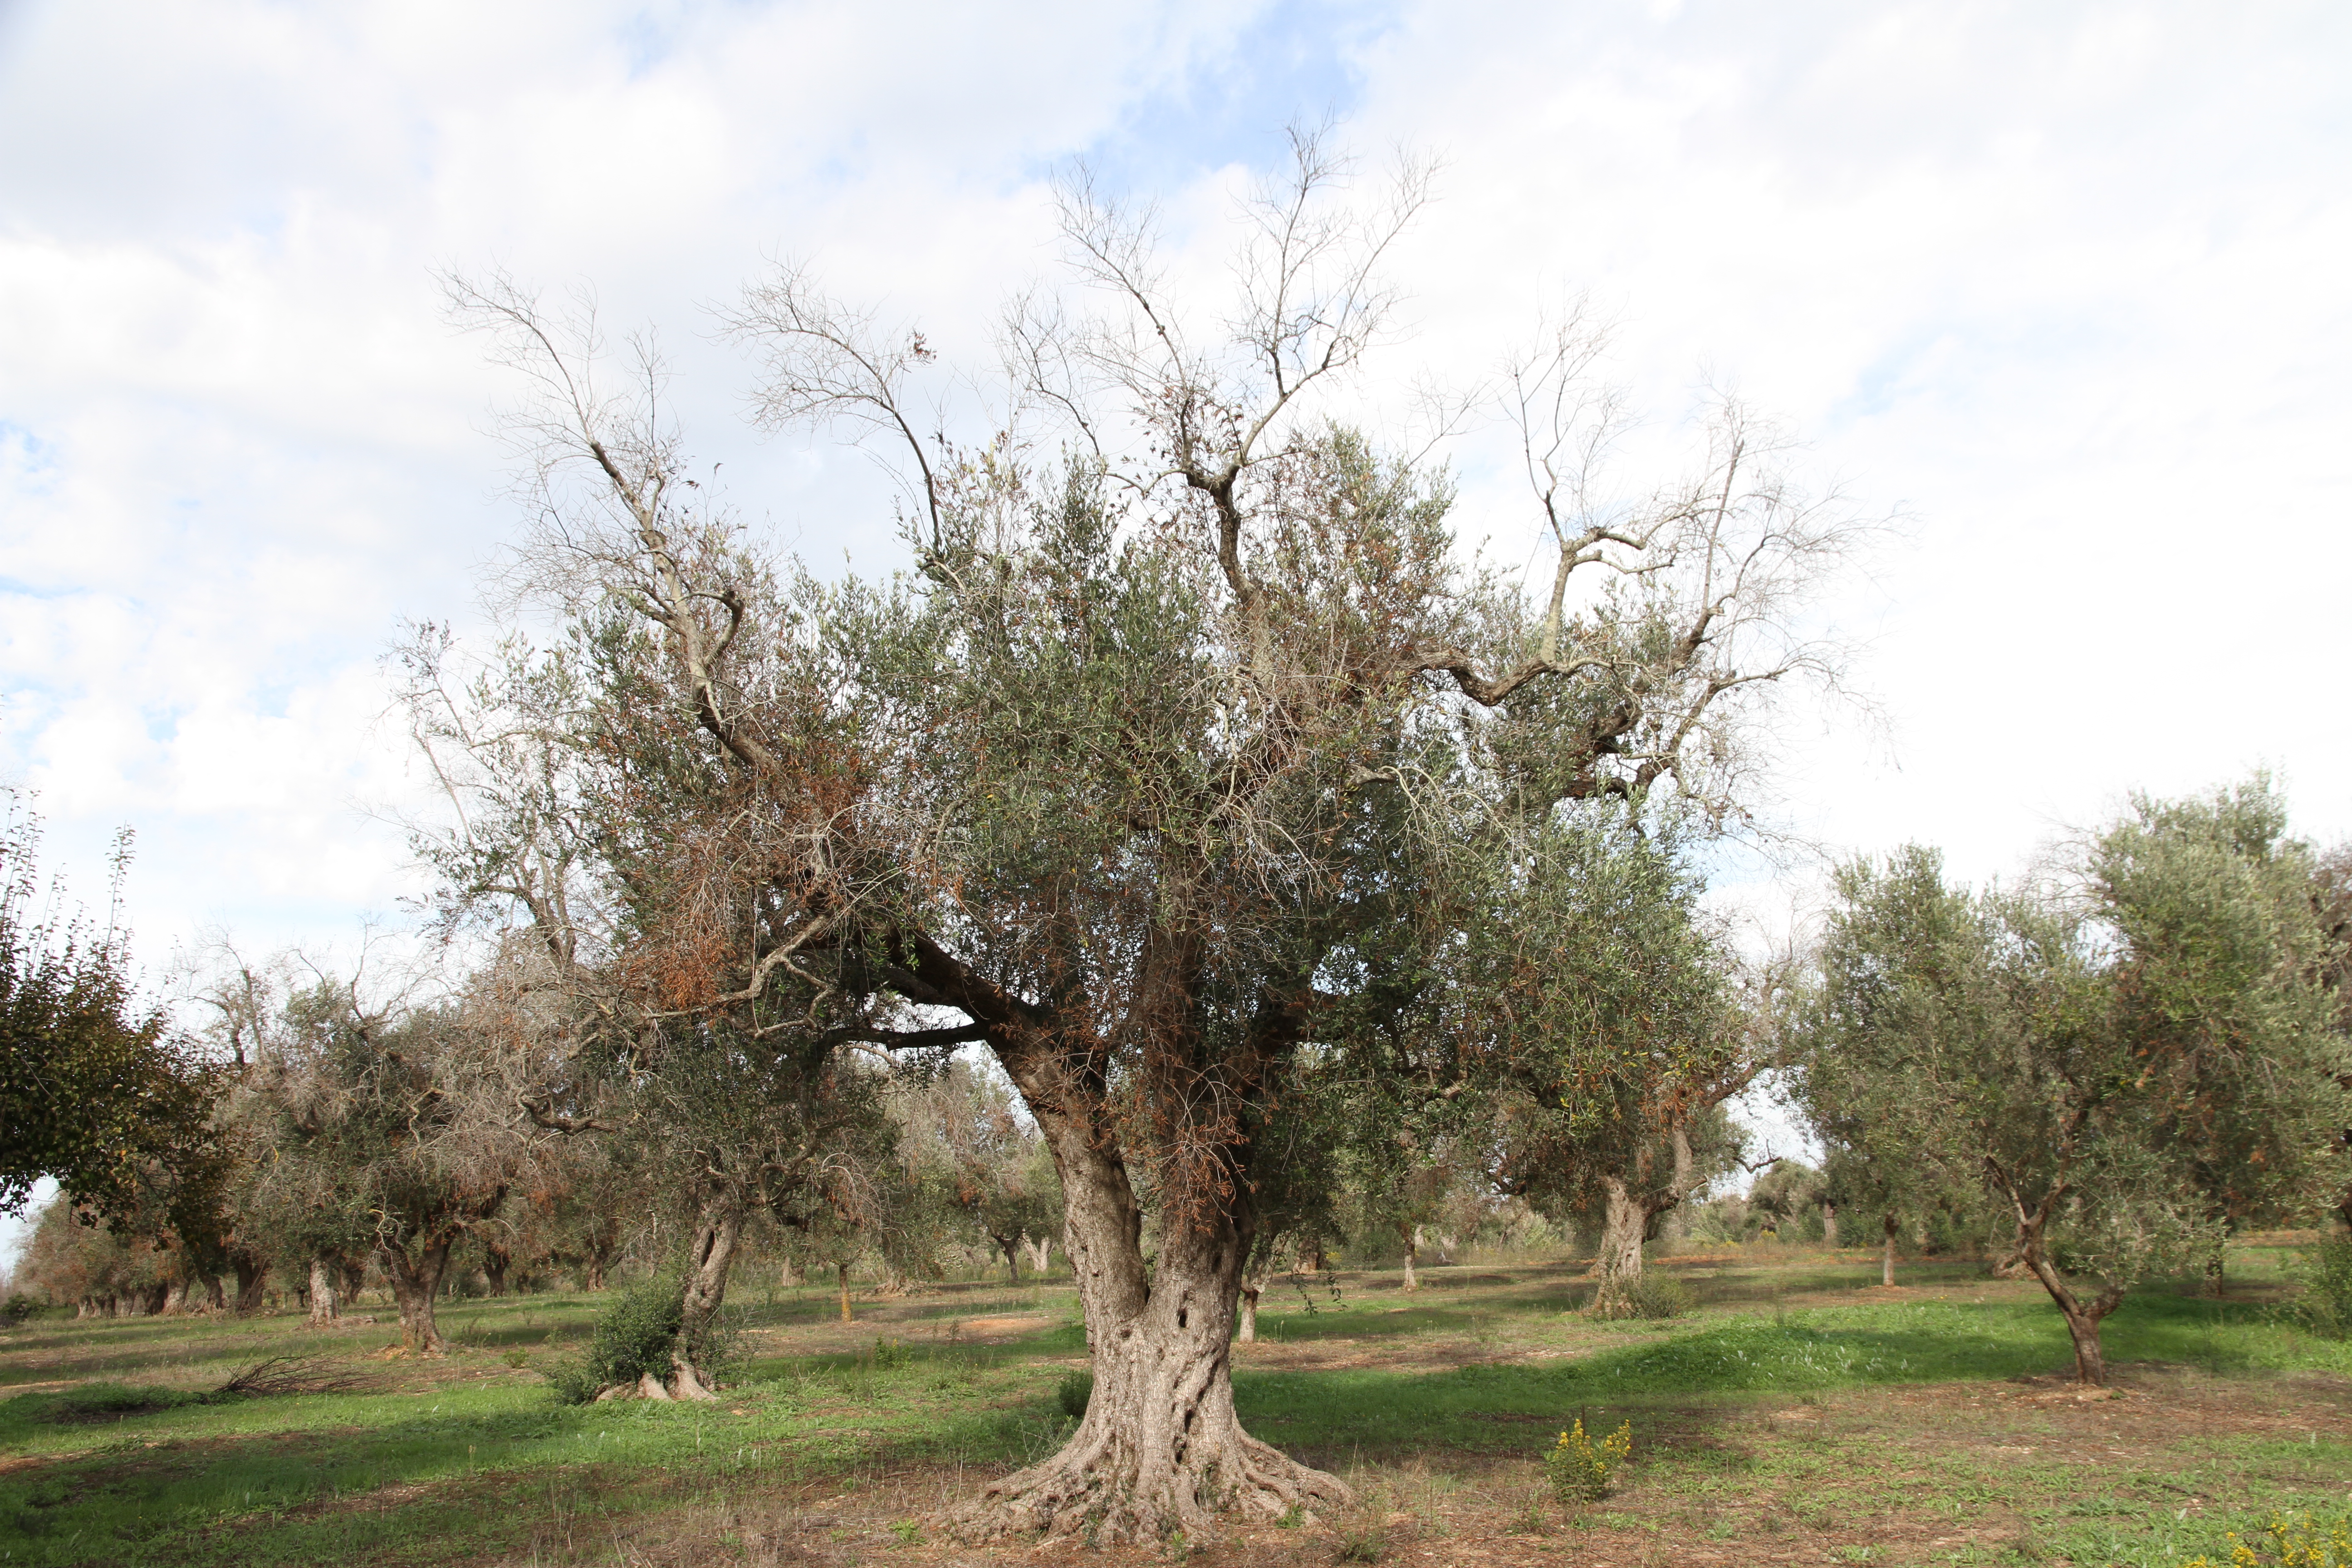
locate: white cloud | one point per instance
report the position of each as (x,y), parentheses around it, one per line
(2065,282)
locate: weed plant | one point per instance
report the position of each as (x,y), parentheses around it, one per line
(1580,1469)
(2288,1544)
(1076,1391)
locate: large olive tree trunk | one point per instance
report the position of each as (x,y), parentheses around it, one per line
(1159,1448)
(1631,1204)
(1625,1221)
(416,1275)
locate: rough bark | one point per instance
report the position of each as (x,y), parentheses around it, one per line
(1041,1253)
(718,1227)
(1828,1224)
(1625,1221)
(415,1281)
(1887,1257)
(1011,1246)
(842,1269)
(323,1308)
(1412,1251)
(1159,1448)
(788,1275)
(1247,1334)
(496,1260)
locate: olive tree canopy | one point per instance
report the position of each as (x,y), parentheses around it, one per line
(1130,775)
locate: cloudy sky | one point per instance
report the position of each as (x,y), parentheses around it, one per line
(2065,284)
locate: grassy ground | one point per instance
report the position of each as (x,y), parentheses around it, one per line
(1802,1414)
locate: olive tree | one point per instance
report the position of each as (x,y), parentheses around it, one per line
(1104,780)
(2221,983)
(396,1130)
(1618,1030)
(2093,1061)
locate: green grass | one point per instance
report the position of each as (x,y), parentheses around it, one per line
(112,1456)
(1812,1351)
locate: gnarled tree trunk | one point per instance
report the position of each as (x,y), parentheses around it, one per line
(1412,1252)
(1159,1448)
(718,1227)
(1828,1224)
(1631,1204)
(1041,1253)
(1623,1223)
(496,1260)
(324,1307)
(1887,1259)
(415,1281)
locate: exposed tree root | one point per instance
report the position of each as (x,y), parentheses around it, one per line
(1099,1488)
(685,1383)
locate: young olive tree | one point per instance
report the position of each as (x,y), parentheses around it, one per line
(1106,780)
(990,1161)
(1979,1035)
(2221,983)
(1616,1034)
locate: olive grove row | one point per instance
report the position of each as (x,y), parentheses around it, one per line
(1291,872)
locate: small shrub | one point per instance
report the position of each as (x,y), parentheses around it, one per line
(1648,1294)
(18,1307)
(1580,1469)
(1075,1394)
(2288,1544)
(518,1358)
(908,1531)
(2325,1272)
(633,1336)
(891,1355)
(1366,1542)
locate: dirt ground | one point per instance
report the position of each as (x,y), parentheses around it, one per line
(1954,1472)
